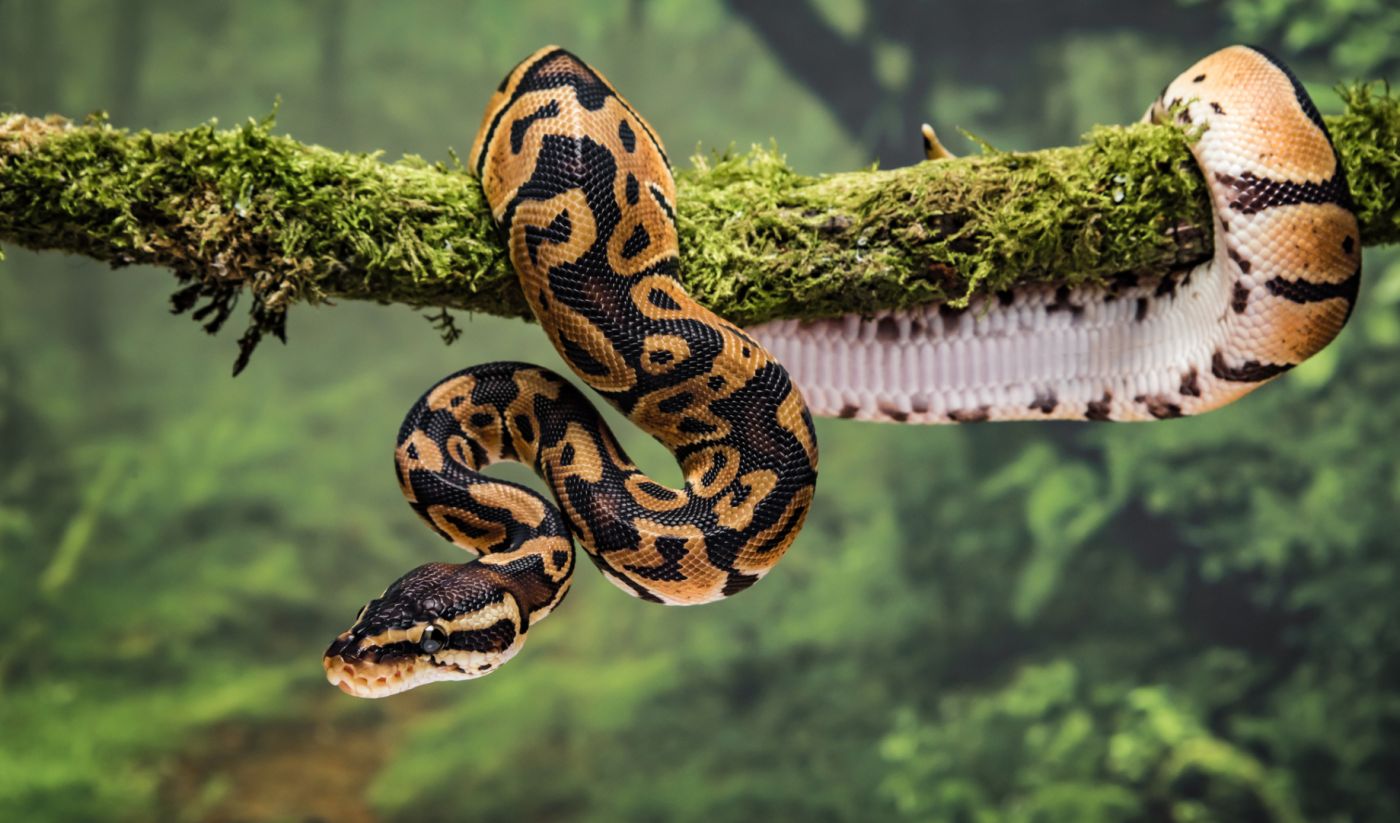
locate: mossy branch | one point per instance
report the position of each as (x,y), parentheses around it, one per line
(245,209)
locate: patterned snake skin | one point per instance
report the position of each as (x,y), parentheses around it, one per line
(580,187)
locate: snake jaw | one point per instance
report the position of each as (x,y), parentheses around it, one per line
(375,673)
(438,622)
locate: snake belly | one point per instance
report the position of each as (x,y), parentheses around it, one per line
(1279,287)
(580,188)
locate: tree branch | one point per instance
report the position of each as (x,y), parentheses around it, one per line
(247,210)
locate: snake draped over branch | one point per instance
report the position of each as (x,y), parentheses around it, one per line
(581,190)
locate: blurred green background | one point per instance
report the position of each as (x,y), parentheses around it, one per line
(1188,621)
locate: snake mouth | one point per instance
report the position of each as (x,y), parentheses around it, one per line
(364,669)
(362,672)
(375,672)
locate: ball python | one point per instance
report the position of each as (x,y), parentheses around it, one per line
(580,188)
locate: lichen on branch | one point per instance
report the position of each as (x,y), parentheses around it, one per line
(247,210)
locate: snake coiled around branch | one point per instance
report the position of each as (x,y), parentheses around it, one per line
(580,187)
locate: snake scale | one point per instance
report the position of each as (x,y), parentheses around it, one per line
(580,188)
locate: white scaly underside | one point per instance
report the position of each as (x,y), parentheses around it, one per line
(1010,361)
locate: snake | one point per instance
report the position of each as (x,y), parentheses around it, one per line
(580,188)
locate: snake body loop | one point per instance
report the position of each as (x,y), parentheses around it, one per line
(579,185)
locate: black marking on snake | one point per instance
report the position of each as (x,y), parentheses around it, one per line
(893,413)
(559,230)
(479,455)
(563,163)
(1250,371)
(636,243)
(690,425)
(657,490)
(531,81)
(1099,409)
(717,463)
(793,519)
(522,125)
(580,358)
(660,198)
(633,189)
(1198,78)
(662,300)
(1349,244)
(526,428)
(848,411)
(737,582)
(464,526)
(887,330)
(672,551)
(1166,287)
(627,136)
(981,414)
(1239,300)
(1215,107)
(1190,384)
(1143,304)
(676,403)
(1006,297)
(1253,194)
(1159,406)
(494,638)
(1045,402)
(1304,291)
(558,69)
(1244,264)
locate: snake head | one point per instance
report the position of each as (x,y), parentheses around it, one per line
(441,621)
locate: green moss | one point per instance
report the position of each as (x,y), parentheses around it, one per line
(1367,137)
(246,210)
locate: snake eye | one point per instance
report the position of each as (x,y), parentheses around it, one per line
(433,640)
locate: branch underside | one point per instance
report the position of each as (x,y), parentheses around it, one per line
(246,210)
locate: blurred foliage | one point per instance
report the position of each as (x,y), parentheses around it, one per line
(1356,37)
(1188,621)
